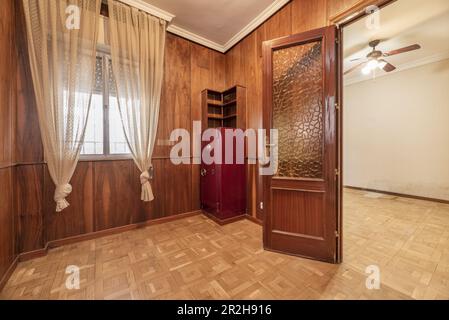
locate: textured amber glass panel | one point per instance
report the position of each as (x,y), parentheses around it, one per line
(298,110)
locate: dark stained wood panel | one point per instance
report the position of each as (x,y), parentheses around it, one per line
(29,147)
(29,181)
(218,71)
(334,7)
(309,207)
(7,83)
(175,111)
(8,250)
(177,188)
(113,185)
(280,24)
(308,15)
(78,218)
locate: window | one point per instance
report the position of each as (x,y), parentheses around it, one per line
(104,133)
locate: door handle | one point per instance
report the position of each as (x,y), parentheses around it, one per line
(203,172)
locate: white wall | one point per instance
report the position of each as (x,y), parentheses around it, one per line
(396,132)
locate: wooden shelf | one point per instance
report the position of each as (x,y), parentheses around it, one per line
(229,103)
(224,109)
(220,117)
(215,116)
(215,103)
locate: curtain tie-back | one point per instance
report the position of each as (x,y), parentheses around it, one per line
(61,192)
(147,192)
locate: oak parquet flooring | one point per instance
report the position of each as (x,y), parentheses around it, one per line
(194,258)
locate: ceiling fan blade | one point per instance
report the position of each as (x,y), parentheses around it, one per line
(354,68)
(389,67)
(402,50)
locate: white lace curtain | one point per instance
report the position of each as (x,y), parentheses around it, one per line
(62,40)
(137,47)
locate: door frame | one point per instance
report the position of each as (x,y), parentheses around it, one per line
(340,20)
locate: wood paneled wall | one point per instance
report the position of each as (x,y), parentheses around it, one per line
(8,251)
(244,64)
(106,193)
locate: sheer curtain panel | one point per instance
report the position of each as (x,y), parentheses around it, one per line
(137,47)
(62,41)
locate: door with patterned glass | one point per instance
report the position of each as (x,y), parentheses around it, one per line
(301,196)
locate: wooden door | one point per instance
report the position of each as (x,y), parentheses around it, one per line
(300,101)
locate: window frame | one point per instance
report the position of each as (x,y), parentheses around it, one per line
(104,52)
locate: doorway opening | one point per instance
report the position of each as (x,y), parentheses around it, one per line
(395,145)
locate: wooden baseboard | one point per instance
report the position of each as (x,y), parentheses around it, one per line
(8,273)
(98,234)
(254,219)
(223,222)
(395,194)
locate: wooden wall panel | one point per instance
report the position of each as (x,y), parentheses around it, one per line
(78,218)
(337,6)
(177,188)
(8,218)
(113,194)
(7,81)
(8,250)
(202,62)
(27,135)
(308,15)
(175,100)
(29,205)
(280,24)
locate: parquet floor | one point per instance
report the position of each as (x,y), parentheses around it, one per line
(194,258)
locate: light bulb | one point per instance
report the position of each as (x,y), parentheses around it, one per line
(372,64)
(366,70)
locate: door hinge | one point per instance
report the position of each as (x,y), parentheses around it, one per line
(337,172)
(261,206)
(337,106)
(337,234)
(337,41)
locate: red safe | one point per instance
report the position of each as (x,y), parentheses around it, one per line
(223,186)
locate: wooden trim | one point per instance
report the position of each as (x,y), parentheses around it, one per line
(254,219)
(357,11)
(224,221)
(33,254)
(402,195)
(8,273)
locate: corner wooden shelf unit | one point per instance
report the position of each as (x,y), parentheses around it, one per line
(224,108)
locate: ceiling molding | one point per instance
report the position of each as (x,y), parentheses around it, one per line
(155,11)
(261,18)
(250,27)
(409,65)
(195,38)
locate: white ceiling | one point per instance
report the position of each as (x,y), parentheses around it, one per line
(402,23)
(218,24)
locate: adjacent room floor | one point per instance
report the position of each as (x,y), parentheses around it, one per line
(194,258)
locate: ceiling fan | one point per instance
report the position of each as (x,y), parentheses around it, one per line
(375,59)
